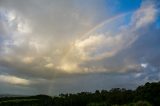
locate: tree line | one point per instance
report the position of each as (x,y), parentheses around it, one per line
(145,95)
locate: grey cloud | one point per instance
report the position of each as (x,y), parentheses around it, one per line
(55,25)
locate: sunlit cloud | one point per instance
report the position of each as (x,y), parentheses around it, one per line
(13,80)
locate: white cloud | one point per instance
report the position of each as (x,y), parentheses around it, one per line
(144,16)
(23,28)
(11,16)
(87,46)
(144,65)
(13,80)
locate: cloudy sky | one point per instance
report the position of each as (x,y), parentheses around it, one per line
(60,46)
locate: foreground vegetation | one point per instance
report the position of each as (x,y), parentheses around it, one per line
(147,95)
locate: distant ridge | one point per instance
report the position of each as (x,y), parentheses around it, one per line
(11,95)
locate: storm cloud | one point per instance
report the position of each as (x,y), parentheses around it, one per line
(54,46)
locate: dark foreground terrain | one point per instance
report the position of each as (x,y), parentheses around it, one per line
(146,95)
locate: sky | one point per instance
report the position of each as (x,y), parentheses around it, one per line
(69,46)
